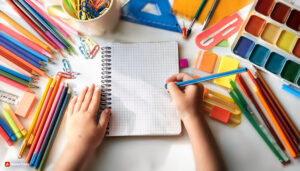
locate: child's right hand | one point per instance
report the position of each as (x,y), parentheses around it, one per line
(187,99)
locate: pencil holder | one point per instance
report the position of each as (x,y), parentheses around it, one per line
(93,27)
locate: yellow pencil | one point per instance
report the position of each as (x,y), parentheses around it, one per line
(37,112)
(25,32)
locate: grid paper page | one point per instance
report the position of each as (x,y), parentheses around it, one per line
(140,103)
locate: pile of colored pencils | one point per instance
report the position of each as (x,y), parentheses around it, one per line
(45,123)
(245,98)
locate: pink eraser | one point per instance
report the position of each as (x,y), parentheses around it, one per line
(183,63)
(220,114)
(25,105)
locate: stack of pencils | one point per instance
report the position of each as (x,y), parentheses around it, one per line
(287,131)
(45,123)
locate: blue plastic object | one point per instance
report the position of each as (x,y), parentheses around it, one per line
(132,12)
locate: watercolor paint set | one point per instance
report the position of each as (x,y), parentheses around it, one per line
(270,39)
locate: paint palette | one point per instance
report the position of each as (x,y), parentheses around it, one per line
(270,39)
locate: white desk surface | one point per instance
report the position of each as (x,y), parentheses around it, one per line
(242,147)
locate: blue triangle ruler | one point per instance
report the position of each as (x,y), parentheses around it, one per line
(132,12)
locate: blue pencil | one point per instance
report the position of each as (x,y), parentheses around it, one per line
(12,72)
(44,156)
(24,47)
(42,21)
(51,127)
(7,130)
(211,77)
(14,49)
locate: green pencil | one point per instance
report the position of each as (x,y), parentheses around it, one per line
(55,129)
(14,78)
(241,102)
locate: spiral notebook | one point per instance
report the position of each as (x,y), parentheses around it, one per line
(132,78)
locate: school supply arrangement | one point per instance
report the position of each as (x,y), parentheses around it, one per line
(132,80)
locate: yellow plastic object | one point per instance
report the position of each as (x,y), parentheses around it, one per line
(226,64)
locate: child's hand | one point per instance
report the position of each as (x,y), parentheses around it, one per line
(187,99)
(82,128)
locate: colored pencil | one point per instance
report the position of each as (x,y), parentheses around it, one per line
(43,109)
(35,117)
(17,74)
(15,67)
(211,77)
(11,123)
(247,91)
(279,118)
(33,25)
(51,126)
(275,123)
(24,47)
(16,79)
(5,137)
(47,123)
(15,119)
(14,84)
(21,62)
(39,20)
(25,40)
(48,18)
(7,130)
(256,127)
(54,132)
(18,52)
(42,123)
(23,30)
(282,111)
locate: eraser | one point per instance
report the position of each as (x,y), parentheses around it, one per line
(25,105)
(220,114)
(183,63)
(205,61)
(226,64)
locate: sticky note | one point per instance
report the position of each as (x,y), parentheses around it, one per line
(205,61)
(220,114)
(183,63)
(226,64)
(25,105)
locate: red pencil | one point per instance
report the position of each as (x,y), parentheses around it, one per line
(14,57)
(31,23)
(247,91)
(15,84)
(42,123)
(5,137)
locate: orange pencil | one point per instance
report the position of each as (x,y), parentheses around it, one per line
(6,53)
(278,105)
(36,126)
(25,32)
(42,123)
(275,123)
(15,67)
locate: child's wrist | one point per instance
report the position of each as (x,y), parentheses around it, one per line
(79,148)
(191,116)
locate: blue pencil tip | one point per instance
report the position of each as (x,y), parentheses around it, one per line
(13,138)
(32,159)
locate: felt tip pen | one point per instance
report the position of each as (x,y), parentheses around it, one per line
(11,123)
(7,130)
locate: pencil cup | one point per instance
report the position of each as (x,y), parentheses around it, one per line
(92,27)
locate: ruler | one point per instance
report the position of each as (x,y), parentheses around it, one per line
(8,97)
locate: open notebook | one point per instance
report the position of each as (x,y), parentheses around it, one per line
(132,77)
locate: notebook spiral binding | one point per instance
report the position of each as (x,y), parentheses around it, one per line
(105,80)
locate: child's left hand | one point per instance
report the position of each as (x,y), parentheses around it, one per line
(82,127)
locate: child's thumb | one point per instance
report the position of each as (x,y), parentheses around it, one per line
(174,90)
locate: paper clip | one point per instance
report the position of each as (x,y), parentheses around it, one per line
(83,52)
(94,52)
(66,75)
(67,67)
